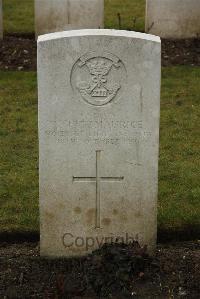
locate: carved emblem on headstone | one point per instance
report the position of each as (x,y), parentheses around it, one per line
(98,77)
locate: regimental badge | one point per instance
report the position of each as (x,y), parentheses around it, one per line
(98,77)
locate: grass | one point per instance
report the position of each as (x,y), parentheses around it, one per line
(179,190)
(132,14)
(179,170)
(18,15)
(19,152)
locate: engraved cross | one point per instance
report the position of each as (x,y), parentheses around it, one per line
(97,179)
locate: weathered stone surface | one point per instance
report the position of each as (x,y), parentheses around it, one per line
(99,99)
(1,20)
(173,18)
(60,15)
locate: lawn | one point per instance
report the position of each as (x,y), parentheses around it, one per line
(131,13)
(18,15)
(179,168)
(179,171)
(19,152)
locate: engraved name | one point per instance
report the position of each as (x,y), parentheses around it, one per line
(98,131)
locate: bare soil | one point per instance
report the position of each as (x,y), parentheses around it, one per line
(114,271)
(18,52)
(181,52)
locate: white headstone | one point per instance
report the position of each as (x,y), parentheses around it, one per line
(99,101)
(60,15)
(173,18)
(1,20)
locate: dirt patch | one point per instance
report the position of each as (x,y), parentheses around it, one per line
(114,271)
(18,52)
(181,52)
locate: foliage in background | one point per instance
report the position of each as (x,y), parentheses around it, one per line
(18,15)
(179,168)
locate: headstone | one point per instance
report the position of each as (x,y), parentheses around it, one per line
(61,15)
(173,18)
(1,20)
(99,101)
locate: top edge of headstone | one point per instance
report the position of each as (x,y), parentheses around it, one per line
(98,32)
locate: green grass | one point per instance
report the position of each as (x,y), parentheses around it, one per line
(19,152)
(132,13)
(179,190)
(179,183)
(18,15)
